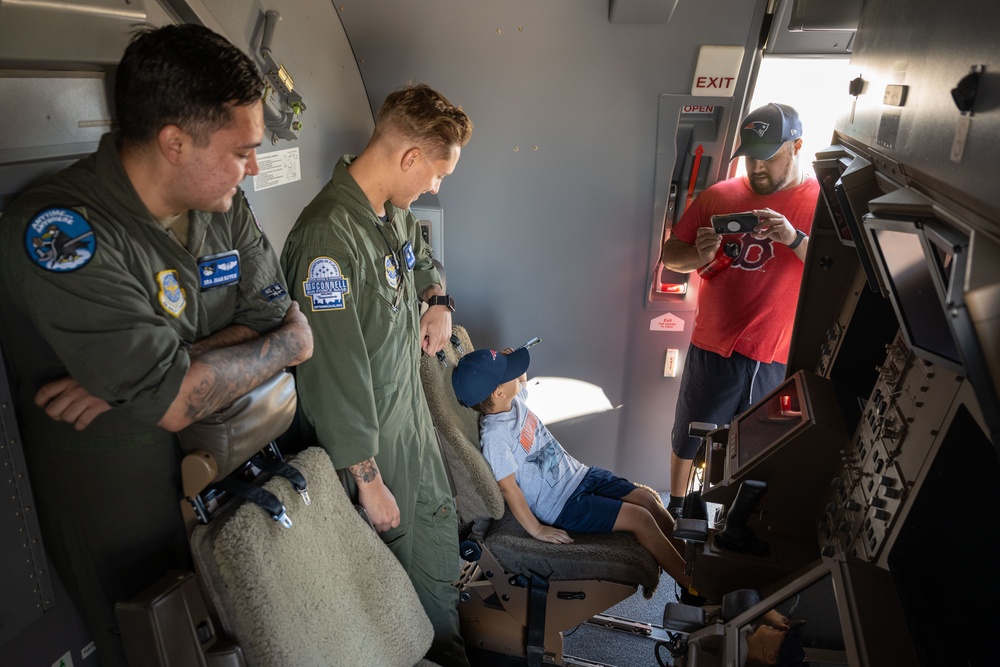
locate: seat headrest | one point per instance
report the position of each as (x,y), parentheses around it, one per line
(237,432)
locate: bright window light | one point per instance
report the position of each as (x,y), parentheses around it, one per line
(816,88)
(558,399)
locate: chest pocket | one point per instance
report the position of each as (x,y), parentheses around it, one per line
(381,312)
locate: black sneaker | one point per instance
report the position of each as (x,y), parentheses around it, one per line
(676,511)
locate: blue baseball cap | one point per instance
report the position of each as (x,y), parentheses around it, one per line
(481,371)
(766,129)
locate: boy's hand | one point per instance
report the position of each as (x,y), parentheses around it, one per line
(553,535)
(524,376)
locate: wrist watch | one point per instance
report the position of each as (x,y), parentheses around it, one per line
(799,237)
(443,300)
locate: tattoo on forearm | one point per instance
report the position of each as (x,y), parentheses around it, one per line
(364,472)
(233,371)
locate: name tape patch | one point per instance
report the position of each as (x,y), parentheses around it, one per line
(219,270)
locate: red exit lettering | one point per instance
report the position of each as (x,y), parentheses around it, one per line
(714,82)
(704,108)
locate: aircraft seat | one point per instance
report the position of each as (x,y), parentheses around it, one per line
(519,594)
(306,582)
(325,591)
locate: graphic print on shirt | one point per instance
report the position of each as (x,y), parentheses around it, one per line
(549,460)
(547,457)
(754,253)
(326,285)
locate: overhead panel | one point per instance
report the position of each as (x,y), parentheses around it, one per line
(67,34)
(813,28)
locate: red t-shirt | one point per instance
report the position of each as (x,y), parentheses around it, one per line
(749,307)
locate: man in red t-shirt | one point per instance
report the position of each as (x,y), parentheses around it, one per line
(743,327)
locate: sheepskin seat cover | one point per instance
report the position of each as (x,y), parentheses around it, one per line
(477,495)
(324,592)
(616,557)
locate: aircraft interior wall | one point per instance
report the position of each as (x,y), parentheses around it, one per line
(548,220)
(548,216)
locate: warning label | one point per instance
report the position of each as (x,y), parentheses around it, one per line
(277,168)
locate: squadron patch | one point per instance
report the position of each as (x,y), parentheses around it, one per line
(391,272)
(172,296)
(60,240)
(275,291)
(219,270)
(326,285)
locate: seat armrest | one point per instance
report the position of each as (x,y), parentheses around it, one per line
(691,530)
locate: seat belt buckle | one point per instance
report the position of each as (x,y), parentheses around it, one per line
(283,518)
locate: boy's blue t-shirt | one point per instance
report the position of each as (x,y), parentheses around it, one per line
(518,442)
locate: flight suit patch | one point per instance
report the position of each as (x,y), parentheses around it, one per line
(275,291)
(219,270)
(172,296)
(409,257)
(326,285)
(391,272)
(60,240)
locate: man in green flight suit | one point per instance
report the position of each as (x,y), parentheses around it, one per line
(358,266)
(142,296)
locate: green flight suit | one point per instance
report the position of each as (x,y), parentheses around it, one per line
(361,390)
(97,289)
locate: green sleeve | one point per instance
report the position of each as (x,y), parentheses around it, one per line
(335,386)
(263,297)
(95,317)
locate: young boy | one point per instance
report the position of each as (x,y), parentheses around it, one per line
(547,490)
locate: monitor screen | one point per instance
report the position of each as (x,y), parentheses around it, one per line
(913,276)
(767,423)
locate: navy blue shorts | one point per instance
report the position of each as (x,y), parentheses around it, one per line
(594,506)
(716,389)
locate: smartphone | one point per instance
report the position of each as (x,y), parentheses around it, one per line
(735,223)
(531,343)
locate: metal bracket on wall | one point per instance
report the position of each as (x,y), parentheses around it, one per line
(282,105)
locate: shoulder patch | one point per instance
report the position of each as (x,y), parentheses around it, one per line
(326,285)
(59,240)
(172,296)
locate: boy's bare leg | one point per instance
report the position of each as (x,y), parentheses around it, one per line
(637,520)
(659,513)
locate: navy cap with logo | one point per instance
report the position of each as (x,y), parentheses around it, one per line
(766,129)
(481,371)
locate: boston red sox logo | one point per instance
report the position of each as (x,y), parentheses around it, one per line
(754,253)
